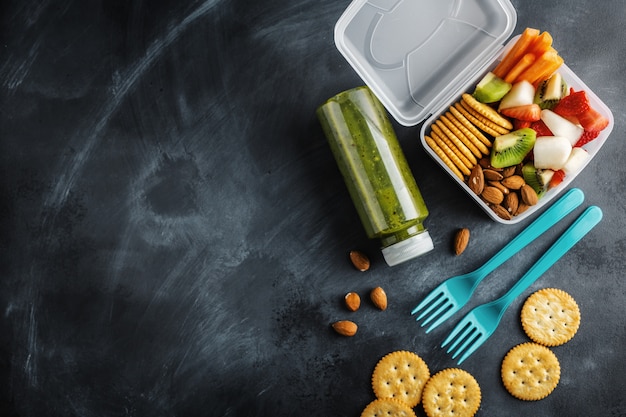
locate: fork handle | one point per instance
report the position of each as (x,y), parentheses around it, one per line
(585,222)
(572,199)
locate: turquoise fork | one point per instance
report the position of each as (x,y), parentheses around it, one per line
(480,323)
(452,294)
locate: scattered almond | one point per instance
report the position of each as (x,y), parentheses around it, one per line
(461,239)
(345,327)
(359,260)
(353,301)
(379,298)
(528,194)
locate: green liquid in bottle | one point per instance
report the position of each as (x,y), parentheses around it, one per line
(376,173)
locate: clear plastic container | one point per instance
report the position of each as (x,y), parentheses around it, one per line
(420,56)
(376,173)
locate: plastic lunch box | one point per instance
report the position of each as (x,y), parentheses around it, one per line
(419,56)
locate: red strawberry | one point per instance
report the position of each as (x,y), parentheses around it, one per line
(527,112)
(587,136)
(540,128)
(557,178)
(520,124)
(572,105)
(592,120)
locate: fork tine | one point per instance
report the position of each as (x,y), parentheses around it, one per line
(457,334)
(443,307)
(470,340)
(445,316)
(426,301)
(478,341)
(436,304)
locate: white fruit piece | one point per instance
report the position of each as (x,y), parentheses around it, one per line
(560,126)
(576,161)
(521,93)
(551,152)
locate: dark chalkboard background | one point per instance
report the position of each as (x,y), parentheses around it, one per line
(175,231)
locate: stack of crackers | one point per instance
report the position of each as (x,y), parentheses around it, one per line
(463,135)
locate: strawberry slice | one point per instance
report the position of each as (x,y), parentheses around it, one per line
(587,136)
(527,112)
(520,124)
(592,120)
(541,129)
(557,178)
(573,104)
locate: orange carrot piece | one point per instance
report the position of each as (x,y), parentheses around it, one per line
(543,67)
(541,44)
(517,51)
(522,65)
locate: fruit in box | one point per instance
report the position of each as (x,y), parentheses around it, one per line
(543,100)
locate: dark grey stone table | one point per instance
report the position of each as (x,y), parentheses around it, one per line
(175,231)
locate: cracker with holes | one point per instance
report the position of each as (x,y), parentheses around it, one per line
(550,317)
(387,407)
(530,371)
(451,392)
(400,375)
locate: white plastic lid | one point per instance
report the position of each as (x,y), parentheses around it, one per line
(416,54)
(408,249)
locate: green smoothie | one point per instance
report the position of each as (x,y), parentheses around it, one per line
(374,168)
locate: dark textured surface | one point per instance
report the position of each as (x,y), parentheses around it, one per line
(175,231)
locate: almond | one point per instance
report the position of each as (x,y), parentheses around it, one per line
(511,203)
(528,194)
(500,187)
(491,175)
(501,211)
(461,239)
(508,171)
(379,298)
(521,208)
(476,180)
(359,260)
(485,163)
(514,182)
(345,327)
(492,195)
(353,301)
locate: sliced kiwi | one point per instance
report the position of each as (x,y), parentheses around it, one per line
(512,148)
(537,178)
(550,91)
(491,88)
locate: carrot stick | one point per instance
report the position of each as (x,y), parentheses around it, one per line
(543,67)
(524,63)
(541,44)
(517,51)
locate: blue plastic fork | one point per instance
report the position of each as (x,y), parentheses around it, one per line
(452,294)
(480,323)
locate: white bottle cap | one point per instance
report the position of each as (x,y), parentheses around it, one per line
(408,249)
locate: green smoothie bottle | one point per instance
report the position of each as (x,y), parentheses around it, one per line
(376,173)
